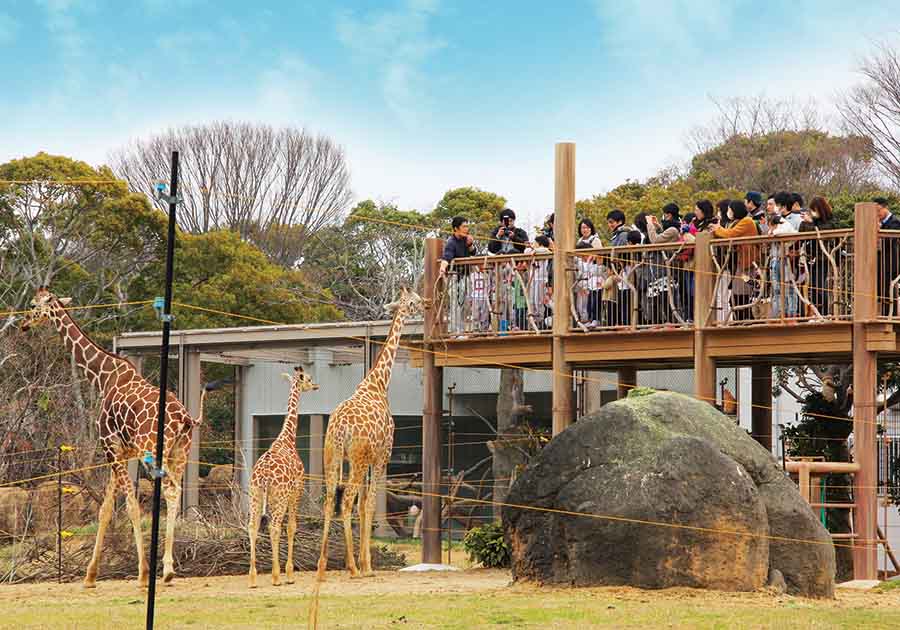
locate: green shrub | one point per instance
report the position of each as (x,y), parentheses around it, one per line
(486,545)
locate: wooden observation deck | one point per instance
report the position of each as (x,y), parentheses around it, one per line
(829,297)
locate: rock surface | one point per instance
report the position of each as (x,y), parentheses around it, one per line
(678,496)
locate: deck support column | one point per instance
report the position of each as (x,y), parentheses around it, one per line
(704,290)
(564,242)
(189,392)
(432,414)
(761,404)
(627,380)
(865,246)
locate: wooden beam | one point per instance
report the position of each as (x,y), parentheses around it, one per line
(761,401)
(432,413)
(865,308)
(704,290)
(564,242)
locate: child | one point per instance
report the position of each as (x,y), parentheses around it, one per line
(520,304)
(479,297)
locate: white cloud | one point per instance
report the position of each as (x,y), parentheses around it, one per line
(286,90)
(398,42)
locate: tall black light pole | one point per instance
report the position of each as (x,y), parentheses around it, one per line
(166,316)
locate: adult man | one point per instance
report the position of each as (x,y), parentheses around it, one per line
(459,245)
(886,219)
(756,211)
(785,202)
(797,205)
(889,257)
(506,238)
(615,221)
(771,208)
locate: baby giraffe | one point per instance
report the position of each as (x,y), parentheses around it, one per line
(277,480)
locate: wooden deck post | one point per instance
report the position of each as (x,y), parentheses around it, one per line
(865,246)
(704,289)
(564,242)
(432,414)
(627,380)
(761,404)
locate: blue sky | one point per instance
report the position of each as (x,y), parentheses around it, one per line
(425,95)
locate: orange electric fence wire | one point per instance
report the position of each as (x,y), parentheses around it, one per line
(609,381)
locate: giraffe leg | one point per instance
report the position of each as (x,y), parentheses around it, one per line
(256,500)
(172,491)
(125,486)
(365,543)
(106,510)
(291,531)
(361,505)
(350,491)
(332,467)
(275,520)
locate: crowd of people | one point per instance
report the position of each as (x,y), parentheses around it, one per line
(619,284)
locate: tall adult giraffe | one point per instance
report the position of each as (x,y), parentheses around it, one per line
(361,430)
(277,481)
(127,427)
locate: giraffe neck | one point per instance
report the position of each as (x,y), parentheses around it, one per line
(98,365)
(379,376)
(289,428)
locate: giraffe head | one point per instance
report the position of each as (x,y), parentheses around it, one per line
(409,303)
(41,308)
(301,380)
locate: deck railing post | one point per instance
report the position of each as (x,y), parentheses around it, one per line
(564,242)
(432,413)
(865,362)
(704,290)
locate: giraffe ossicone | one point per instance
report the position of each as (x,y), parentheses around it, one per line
(276,484)
(127,428)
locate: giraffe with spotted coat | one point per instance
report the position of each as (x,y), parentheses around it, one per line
(361,431)
(277,482)
(127,427)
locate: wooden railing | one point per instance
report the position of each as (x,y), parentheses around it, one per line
(770,280)
(783,279)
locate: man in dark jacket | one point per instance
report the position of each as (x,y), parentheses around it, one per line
(506,238)
(889,257)
(754,200)
(459,245)
(886,219)
(615,221)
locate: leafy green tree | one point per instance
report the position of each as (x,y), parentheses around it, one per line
(364,262)
(480,207)
(221,272)
(68,225)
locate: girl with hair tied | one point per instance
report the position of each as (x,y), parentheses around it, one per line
(589,274)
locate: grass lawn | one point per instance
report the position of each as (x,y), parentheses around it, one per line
(474,598)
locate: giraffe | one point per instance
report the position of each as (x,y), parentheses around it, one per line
(361,430)
(127,427)
(277,479)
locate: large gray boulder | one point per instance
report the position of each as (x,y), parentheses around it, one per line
(677,496)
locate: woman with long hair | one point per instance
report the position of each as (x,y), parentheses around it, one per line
(818,217)
(741,285)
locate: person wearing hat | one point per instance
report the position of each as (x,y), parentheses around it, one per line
(506,238)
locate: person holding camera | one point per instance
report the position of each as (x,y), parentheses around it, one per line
(506,238)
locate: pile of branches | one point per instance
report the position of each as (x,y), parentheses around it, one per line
(203,548)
